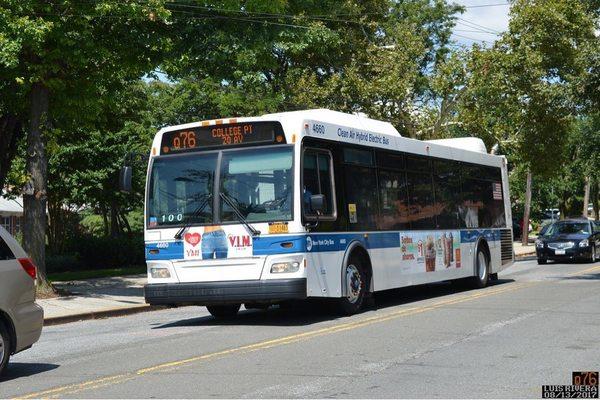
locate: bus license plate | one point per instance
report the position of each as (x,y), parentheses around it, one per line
(278,227)
(559,252)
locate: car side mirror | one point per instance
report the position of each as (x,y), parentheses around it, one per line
(317,203)
(125,178)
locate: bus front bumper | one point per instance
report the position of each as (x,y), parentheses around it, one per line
(207,293)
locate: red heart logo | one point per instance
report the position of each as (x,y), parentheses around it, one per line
(192,238)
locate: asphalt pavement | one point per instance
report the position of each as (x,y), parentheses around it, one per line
(533,327)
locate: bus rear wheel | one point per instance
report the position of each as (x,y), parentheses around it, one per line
(224,310)
(356,288)
(482,270)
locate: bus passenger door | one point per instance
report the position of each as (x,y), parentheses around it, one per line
(317,178)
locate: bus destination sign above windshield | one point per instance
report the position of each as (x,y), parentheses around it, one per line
(226,135)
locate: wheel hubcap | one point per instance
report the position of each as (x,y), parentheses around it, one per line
(353,283)
(481,266)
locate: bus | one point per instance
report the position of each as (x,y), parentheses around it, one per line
(317,204)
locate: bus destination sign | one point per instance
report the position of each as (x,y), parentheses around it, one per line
(226,135)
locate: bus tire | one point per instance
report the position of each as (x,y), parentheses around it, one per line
(5,347)
(482,269)
(357,286)
(224,310)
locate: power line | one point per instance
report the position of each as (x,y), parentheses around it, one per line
(475,31)
(476,25)
(488,5)
(470,38)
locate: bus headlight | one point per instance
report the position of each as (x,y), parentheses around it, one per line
(160,273)
(284,267)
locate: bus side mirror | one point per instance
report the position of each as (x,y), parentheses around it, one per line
(125,176)
(317,203)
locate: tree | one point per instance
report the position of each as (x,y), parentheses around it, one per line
(57,60)
(84,162)
(522,92)
(405,75)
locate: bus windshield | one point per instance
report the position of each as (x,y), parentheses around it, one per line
(257,180)
(180,190)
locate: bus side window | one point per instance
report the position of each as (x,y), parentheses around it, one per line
(420,193)
(447,189)
(317,178)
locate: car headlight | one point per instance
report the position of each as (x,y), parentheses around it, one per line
(160,273)
(539,244)
(584,243)
(284,267)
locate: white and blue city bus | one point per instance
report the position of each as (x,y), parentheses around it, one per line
(317,203)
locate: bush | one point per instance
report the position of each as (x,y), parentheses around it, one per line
(93,224)
(62,262)
(91,252)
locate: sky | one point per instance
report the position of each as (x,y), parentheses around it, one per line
(481,22)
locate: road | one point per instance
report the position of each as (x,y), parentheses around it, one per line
(533,327)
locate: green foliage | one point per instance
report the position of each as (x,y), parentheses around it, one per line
(522,92)
(535,92)
(93,224)
(88,252)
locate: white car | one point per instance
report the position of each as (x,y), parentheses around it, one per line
(21,319)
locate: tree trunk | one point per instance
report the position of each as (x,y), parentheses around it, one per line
(114,220)
(105,219)
(595,195)
(124,222)
(34,202)
(586,197)
(526,211)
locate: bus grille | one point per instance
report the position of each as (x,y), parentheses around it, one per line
(506,246)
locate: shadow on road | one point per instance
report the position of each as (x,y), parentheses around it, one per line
(313,311)
(17,370)
(585,277)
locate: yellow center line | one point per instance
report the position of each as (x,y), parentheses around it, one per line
(120,378)
(585,271)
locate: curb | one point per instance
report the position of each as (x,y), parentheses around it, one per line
(117,312)
(526,257)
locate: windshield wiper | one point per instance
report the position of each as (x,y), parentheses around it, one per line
(236,211)
(197,211)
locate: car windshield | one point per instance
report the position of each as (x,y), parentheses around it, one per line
(180,188)
(259,183)
(568,228)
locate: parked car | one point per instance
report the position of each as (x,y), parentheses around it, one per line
(575,239)
(21,319)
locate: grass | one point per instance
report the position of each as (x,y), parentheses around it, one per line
(96,273)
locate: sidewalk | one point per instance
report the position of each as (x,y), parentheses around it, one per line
(95,298)
(523,252)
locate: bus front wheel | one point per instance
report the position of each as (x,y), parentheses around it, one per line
(224,310)
(356,287)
